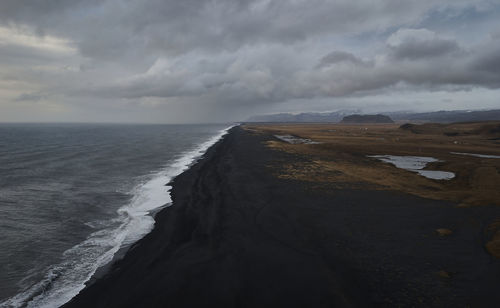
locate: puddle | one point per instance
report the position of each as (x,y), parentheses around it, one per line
(476,155)
(295,140)
(416,164)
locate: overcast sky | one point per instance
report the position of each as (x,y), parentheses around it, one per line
(172,61)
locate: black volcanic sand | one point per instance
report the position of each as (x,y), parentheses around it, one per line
(237,236)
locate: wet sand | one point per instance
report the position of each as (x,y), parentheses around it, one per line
(237,235)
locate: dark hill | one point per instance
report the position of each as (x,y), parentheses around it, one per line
(488,129)
(368,118)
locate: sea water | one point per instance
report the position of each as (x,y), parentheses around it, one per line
(71,195)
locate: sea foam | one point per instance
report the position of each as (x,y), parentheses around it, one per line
(134,220)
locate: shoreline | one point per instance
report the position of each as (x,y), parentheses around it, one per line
(236,235)
(182,164)
(61,281)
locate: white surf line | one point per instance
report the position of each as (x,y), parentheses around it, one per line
(66,279)
(476,155)
(416,164)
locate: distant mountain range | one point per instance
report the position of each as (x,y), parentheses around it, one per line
(337,116)
(310,117)
(448,116)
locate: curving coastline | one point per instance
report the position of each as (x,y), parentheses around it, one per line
(80,197)
(237,236)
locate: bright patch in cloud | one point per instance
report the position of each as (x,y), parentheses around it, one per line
(22,37)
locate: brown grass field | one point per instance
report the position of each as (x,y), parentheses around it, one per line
(341,159)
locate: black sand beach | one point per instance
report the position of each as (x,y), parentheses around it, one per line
(238,236)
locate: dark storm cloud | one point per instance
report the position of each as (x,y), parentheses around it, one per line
(228,54)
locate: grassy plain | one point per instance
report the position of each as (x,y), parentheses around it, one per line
(341,159)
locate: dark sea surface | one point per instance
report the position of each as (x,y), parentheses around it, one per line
(72,194)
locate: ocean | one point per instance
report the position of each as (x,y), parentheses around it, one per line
(72,195)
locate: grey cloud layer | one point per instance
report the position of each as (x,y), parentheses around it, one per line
(110,27)
(228,54)
(415,60)
(420,44)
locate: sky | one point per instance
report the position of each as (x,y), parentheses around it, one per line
(194,61)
